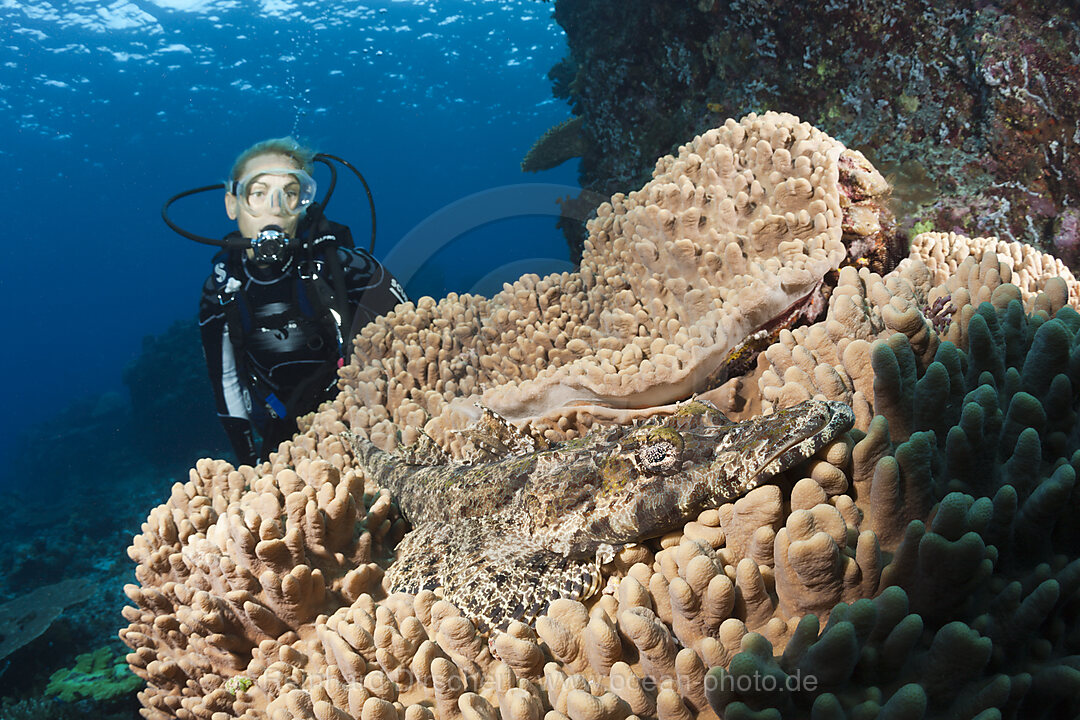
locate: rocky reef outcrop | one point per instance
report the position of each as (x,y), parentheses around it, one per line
(970,107)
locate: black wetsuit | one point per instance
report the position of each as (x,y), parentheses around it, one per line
(291,346)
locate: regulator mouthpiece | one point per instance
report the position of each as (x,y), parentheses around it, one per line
(271,244)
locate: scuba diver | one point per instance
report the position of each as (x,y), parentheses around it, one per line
(286,295)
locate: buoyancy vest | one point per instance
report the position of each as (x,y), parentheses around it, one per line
(288,325)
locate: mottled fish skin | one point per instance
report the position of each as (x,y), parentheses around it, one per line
(579,499)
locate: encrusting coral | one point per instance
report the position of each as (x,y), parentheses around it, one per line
(260,589)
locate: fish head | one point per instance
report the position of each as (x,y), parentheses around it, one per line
(626,483)
(661,473)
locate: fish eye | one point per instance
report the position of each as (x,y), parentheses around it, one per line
(657,450)
(658,458)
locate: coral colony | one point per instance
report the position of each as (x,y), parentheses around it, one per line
(923,563)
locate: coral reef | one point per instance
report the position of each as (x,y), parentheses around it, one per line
(971,106)
(49,709)
(930,542)
(259,576)
(74,537)
(80,484)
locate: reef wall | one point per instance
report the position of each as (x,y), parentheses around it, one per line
(970,107)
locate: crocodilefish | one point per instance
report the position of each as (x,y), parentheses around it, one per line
(528,522)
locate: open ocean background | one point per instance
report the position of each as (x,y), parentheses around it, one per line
(107,109)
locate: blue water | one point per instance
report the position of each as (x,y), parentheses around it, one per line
(107,109)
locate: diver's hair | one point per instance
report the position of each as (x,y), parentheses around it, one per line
(302,155)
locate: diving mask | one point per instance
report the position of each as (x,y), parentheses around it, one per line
(285,190)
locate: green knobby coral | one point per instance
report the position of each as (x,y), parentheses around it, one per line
(238,684)
(99,675)
(873,659)
(922,226)
(979,614)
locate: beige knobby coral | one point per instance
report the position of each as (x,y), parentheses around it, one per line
(274,574)
(246,574)
(256,574)
(941,284)
(735,232)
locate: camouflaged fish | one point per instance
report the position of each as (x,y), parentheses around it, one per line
(530,523)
